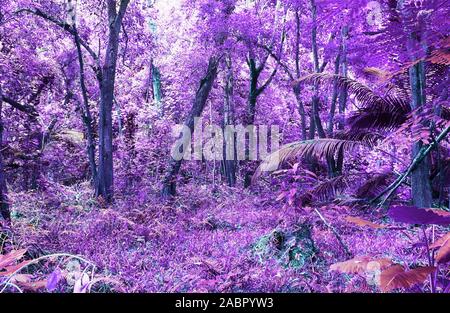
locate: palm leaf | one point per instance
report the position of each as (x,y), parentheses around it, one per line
(368,137)
(324,148)
(365,95)
(373,186)
(330,188)
(385,112)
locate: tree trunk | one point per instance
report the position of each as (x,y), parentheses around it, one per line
(332,168)
(105,180)
(301,111)
(420,176)
(316,123)
(229,166)
(4,204)
(86,113)
(334,96)
(343,95)
(156,82)
(249,118)
(201,96)
(297,88)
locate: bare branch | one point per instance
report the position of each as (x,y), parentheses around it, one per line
(28,109)
(67,28)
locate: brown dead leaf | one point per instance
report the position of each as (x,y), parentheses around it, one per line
(354,266)
(443,253)
(361,222)
(11,257)
(396,277)
(14,268)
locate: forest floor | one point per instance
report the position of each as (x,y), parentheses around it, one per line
(221,241)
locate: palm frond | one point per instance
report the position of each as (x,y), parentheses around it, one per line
(365,136)
(365,95)
(320,148)
(373,186)
(445,113)
(385,112)
(377,118)
(329,188)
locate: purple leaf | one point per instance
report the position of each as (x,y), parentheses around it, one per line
(414,215)
(53,280)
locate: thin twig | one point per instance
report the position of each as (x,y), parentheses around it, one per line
(336,234)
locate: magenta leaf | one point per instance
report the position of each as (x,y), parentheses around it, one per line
(53,280)
(421,216)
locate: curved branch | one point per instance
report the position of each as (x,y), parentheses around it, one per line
(70,29)
(28,109)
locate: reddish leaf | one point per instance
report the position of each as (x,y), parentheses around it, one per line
(21,278)
(280,196)
(25,282)
(13,268)
(443,253)
(33,285)
(11,257)
(396,277)
(378,264)
(414,215)
(360,265)
(361,222)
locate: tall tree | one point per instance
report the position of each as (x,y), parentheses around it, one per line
(416,41)
(199,102)
(86,111)
(106,74)
(229,166)
(105,180)
(4,205)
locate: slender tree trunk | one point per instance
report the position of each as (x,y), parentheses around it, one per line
(343,95)
(256,90)
(334,96)
(420,176)
(316,123)
(4,204)
(253,93)
(156,81)
(201,96)
(105,179)
(301,111)
(297,89)
(332,168)
(249,118)
(312,124)
(86,113)
(229,166)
